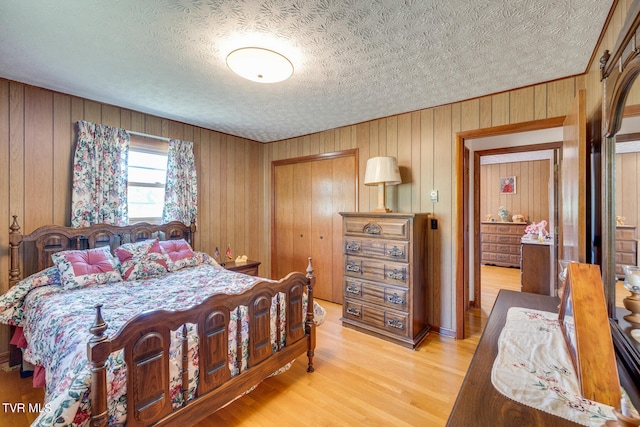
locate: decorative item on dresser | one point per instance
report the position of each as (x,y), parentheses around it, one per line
(626,248)
(385,273)
(500,243)
(249,267)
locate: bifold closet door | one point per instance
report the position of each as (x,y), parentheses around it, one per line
(307,198)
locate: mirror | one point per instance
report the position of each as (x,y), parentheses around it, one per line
(626,170)
(620,70)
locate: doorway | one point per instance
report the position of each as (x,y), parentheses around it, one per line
(517,138)
(529,171)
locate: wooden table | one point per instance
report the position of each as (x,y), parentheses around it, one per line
(478,402)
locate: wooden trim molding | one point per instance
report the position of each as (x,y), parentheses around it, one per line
(513,128)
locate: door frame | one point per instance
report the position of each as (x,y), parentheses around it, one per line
(303,159)
(462,208)
(477,249)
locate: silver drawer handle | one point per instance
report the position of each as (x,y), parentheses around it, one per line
(395,299)
(353,311)
(395,274)
(353,267)
(372,228)
(395,252)
(395,323)
(353,247)
(353,289)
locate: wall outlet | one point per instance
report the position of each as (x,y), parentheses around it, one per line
(434,196)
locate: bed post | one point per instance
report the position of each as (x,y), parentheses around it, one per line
(97,354)
(309,325)
(15,239)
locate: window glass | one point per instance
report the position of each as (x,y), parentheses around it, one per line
(147,176)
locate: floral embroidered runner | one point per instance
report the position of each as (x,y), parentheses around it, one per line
(534,368)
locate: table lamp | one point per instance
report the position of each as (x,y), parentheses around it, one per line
(382,171)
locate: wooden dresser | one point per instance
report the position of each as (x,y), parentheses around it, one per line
(385,280)
(479,403)
(500,243)
(626,248)
(535,268)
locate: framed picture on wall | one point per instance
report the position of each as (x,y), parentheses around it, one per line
(508,185)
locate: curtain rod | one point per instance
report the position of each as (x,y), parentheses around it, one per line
(146,135)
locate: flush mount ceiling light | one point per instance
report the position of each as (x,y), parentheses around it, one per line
(259,65)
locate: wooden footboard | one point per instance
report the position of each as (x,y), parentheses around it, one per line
(146,339)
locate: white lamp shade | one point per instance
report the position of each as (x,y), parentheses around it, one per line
(382,170)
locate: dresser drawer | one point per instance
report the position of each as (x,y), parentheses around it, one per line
(392,321)
(503,228)
(626,245)
(393,250)
(508,258)
(501,238)
(505,249)
(391,296)
(626,258)
(625,233)
(390,228)
(377,270)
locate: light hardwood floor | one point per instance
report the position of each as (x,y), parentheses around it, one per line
(359,380)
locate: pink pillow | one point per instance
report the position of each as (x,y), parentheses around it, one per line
(88,267)
(180,253)
(142,260)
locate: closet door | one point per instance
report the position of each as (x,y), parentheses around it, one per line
(308,194)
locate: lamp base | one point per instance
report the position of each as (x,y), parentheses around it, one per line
(383,209)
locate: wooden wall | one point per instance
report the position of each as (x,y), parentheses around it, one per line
(532,190)
(36,140)
(424,143)
(36,153)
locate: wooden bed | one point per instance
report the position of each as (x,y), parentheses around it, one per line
(145,338)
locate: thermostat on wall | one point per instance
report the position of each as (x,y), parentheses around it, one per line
(434,196)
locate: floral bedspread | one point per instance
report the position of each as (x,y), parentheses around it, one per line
(56,326)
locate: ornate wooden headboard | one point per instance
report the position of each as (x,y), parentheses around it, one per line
(38,246)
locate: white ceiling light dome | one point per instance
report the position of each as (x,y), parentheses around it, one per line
(260,65)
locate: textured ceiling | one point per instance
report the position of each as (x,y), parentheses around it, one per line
(355,60)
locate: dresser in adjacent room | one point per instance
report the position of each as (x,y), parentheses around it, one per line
(626,248)
(500,243)
(385,275)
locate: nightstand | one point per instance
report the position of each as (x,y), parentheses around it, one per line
(250,267)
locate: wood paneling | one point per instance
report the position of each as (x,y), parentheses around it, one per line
(37,139)
(532,189)
(234,174)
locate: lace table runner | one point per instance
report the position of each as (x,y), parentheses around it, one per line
(534,368)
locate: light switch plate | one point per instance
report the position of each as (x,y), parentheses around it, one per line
(434,196)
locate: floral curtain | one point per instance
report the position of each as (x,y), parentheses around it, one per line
(99,192)
(181,188)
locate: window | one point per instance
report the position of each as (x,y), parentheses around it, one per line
(147,175)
